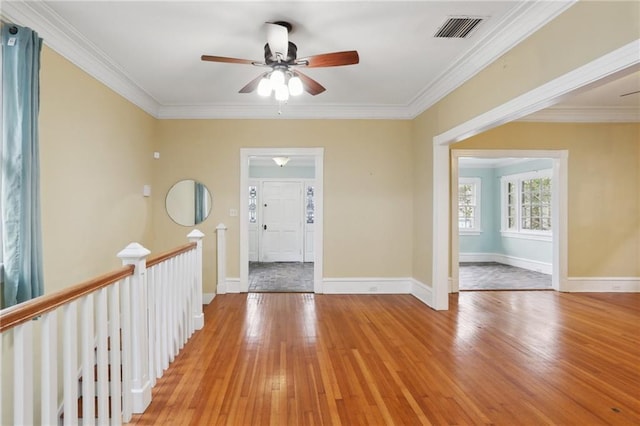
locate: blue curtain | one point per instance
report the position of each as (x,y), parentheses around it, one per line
(20,190)
(201,203)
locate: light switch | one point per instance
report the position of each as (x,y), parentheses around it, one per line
(156,155)
(146,190)
(233,212)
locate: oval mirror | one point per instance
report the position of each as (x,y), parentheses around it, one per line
(188,202)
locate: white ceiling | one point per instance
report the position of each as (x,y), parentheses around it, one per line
(149,51)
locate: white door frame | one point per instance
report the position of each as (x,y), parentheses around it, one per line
(610,65)
(318,155)
(559,206)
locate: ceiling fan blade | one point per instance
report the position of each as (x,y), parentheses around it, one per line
(226,60)
(630,93)
(252,85)
(309,84)
(335,59)
(278,40)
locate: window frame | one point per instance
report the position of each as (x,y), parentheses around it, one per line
(518,231)
(477,216)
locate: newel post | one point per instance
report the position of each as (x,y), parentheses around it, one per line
(135,254)
(221,230)
(198,317)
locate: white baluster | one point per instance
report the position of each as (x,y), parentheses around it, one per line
(70,363)
(135,254)
(87,343)
(49,373)
(197,236)
(157,350)
(151,318)
(125,315)
(102,360)
(164,273)
(174,310)
(116,383)
(23,373)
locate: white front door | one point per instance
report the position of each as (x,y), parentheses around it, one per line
(281,204)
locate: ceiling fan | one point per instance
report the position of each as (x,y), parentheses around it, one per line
(280,55)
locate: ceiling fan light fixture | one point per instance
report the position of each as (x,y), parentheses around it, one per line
(281,161)
(295,86)
(282,93)
(277,78)
(264,87)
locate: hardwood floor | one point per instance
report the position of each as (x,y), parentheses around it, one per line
(504,358)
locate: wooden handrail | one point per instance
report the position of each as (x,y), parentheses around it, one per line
(23,312)
(154,260)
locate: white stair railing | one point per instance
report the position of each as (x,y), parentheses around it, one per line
(118,334)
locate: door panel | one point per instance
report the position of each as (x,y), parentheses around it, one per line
(281,204)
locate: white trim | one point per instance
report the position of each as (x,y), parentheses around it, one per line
(422,292)
(232,285)
(362,285)
(318,155)
(585,115)
(559,195)
(606,66)
(490,48)
(519,262)
(367,286)
(208,298)
(303,112)
(517,231)
(523,235)
(477,216)
(603,284)
(60,36)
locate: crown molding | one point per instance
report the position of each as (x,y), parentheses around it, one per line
(489,48)
(585,115)
(546,95)
(64,39)
(352,112)
(60,36)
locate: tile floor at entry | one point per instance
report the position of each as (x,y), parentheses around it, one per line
(297,277)
(497,276)
(281,277)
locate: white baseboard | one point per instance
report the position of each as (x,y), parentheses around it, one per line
(411,286)
(422,292)
(359,285)
(230,285)
(602,285)
(233,285)
(366,286)
(531,265)
(208,298)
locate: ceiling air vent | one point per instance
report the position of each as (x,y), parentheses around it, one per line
(458,27)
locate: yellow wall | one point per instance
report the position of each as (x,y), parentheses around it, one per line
(604,189)
(96,156)
(367,187)
(95,150)
(563,45)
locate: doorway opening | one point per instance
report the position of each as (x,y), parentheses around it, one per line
(281,219)
(502,217)
(507,209)
(611,65)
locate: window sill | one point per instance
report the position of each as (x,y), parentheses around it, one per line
(470,231)
(527,236)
